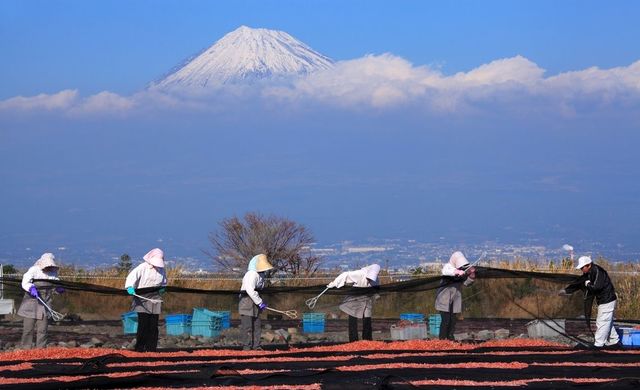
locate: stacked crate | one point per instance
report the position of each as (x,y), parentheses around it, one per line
(434,324)
(410,327)
(178,324)
(313,322)
(206,323)
(413,317)
(226,318)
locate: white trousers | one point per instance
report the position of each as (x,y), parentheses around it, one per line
(605,332)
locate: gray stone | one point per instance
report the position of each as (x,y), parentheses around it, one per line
(485,335)
(87,345)
(72,344)
(268,336)
(283,335)
(502,334)
(96,341)
(62,344)
(299,339)
(462,337)
(266,326)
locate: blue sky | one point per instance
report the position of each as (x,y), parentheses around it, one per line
(484,120)
(122,45)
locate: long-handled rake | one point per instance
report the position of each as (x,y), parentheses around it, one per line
(311,302)
(293,314)
(148,299)
(54,314)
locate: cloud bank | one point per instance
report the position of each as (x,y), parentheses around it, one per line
(381,82)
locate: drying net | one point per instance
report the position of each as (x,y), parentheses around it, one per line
(495,294)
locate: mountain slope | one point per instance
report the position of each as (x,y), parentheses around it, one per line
(246,55)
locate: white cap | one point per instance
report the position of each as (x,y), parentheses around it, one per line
(155,257)
(582,261)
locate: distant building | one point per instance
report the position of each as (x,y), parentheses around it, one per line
(365,249)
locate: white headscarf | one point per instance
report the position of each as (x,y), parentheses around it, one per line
(155,257)
(46,260)
(458,260)
(372,272)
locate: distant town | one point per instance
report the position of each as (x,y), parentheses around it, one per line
(394,255)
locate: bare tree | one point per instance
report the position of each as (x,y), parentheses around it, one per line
(285,242)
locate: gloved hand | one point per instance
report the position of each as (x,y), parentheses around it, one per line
(332,284)
(262,306)
(586,283)
(458,272)
(59,290)
(131,290)
(562,292)
(33,291)
(162,290)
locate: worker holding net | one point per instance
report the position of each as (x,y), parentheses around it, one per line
(358,306)
(35,306)
(148,305)
(251,304)
(455,274)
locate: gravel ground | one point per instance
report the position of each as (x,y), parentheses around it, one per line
(109,333)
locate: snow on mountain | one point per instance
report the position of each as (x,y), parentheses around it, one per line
(245,55)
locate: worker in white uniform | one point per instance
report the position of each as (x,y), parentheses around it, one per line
(150,273)
(36,317)
(251,304)
(358,306)
(455,274)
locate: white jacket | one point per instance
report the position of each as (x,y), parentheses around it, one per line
(357,278)
(449,270)
(146,275)
(36,273)
(251,282)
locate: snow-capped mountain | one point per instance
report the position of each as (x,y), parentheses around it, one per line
(245,55)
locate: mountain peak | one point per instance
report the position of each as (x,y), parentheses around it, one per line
(246,55)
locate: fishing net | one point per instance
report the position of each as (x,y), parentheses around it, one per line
(496,293)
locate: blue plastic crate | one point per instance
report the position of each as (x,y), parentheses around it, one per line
(313,322)
(413,317)
(434,324)
(130,322)
(313,327)
(206,323)
(310,317)
(226,318)
(178,324)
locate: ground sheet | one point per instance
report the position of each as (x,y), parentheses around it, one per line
(500,364)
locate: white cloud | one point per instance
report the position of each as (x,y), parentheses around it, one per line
(105,102)
(62,100)
(383,81)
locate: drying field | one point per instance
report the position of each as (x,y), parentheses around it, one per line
(503,364)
